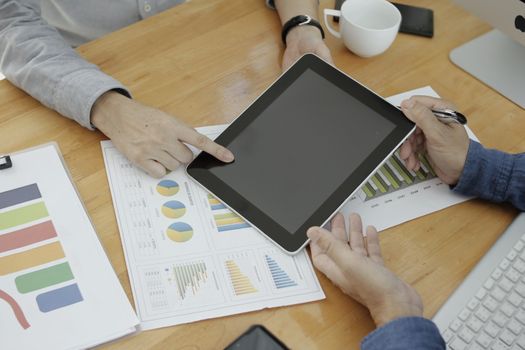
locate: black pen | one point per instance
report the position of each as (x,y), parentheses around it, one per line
(448,116)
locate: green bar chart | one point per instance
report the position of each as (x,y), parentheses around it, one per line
(394,176)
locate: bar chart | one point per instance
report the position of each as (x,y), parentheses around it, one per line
(241,282)
(31,241)
(394,176)
(189,277)
(225,219)
(280,277)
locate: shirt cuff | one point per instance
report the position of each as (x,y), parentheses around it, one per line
(77,93)
(405,333)
(485,174)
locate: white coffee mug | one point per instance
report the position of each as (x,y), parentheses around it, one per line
(368,27)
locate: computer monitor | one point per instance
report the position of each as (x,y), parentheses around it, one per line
(497,58)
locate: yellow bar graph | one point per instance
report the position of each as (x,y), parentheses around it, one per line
(241,283)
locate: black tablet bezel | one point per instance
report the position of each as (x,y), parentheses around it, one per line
(292,242)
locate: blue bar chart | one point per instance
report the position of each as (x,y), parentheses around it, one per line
(280,278)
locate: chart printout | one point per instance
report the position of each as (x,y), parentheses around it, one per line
(57,287)
(395,194)
(189,257)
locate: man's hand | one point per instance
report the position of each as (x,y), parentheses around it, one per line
(358,269)
(446,144)
(151,139)
(301,40)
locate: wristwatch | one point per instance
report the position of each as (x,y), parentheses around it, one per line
(301,20)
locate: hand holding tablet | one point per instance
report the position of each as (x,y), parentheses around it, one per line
(301,150)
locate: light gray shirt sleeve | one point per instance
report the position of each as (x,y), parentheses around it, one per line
(36,58)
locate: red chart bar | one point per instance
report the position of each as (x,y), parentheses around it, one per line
(27,236)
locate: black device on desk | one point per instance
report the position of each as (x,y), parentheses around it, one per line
(301,150)
(257,338)
(414,20)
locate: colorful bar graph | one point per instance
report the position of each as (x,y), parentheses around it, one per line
(393,176)
(189,276)
(215,204)
(27,236)
(19,195)
(279,276)
(240,282)
(59,298)
(226,221)
(23,215)
(50,276)
(229,222)
(31,258)
(233,227)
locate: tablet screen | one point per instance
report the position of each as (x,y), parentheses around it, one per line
(314,135)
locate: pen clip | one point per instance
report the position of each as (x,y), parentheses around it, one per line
(5,162)
(450,116)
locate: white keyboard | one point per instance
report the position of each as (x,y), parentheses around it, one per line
(487,311)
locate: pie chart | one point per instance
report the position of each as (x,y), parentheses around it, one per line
(167,188)
(180,232)
(173,209)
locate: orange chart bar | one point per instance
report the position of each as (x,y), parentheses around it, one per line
(31,258)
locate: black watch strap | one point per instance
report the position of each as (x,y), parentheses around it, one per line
(301,20)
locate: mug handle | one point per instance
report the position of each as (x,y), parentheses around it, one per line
(333,13)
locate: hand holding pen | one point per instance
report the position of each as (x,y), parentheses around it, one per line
(440,135)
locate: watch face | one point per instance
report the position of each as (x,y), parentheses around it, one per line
(303,19)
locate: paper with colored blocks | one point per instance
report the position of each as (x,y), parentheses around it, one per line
(54,274)
(191,258)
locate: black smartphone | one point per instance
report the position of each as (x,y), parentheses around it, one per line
(257,337)
(414,20)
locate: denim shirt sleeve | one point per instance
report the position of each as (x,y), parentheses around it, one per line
(406,333)
(34,57)
(493,175)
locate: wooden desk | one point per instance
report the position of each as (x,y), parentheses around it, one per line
(205,61)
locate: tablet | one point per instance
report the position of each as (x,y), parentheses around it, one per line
(301,150)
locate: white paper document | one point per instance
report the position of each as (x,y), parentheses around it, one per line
(395,194)
(57,287)
(190,258)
